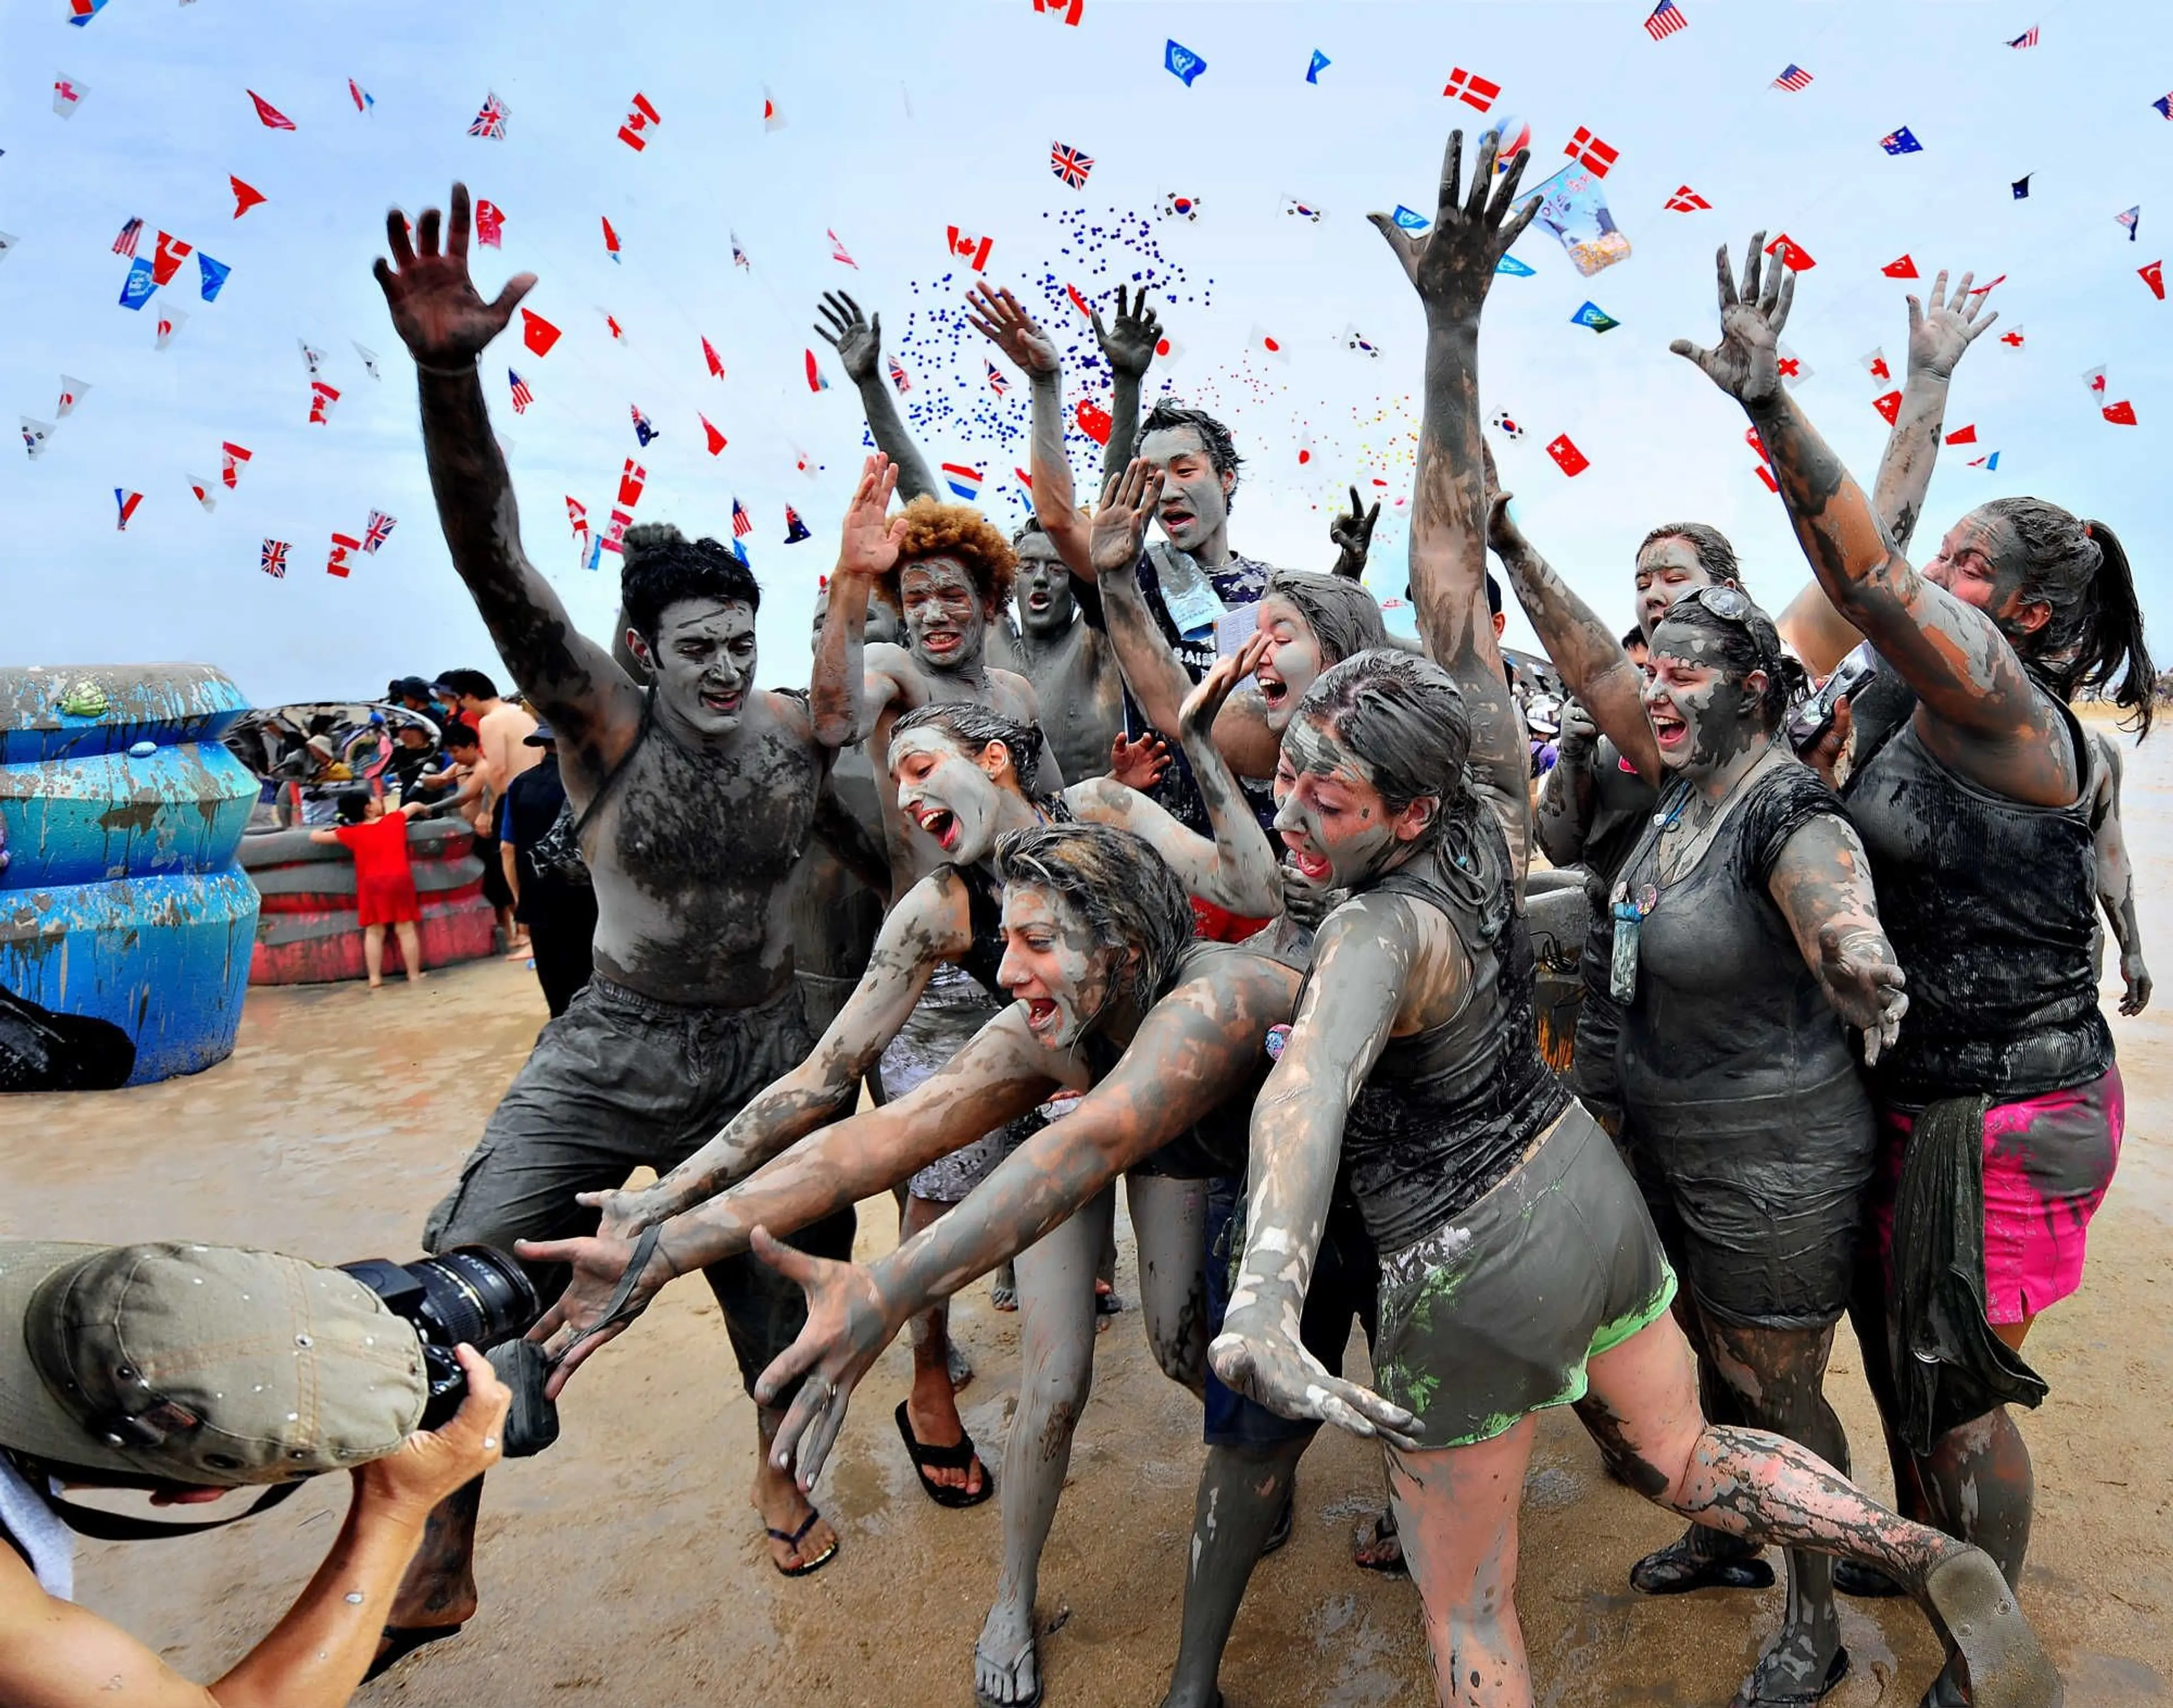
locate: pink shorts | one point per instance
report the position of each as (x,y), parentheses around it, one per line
(2047,1162)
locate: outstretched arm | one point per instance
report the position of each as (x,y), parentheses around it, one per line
(868,544)
(997,316)
(1983,714)
(1362,958)
(1193,1051)
(1128,348)
(1593,664)
(1150,669)
(1937,340)
(1822,885)
(445,326)
(2115,878)
(858,342)
(1452,268)
(1236,871)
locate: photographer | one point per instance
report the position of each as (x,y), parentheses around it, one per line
(189,1371)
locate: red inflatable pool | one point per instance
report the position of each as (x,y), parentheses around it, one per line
(307,933)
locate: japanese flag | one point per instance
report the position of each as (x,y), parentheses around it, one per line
(1263,343)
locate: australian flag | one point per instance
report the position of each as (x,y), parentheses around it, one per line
(642,429)
(794,529)
(1901,141)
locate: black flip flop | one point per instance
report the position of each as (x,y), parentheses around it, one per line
(1866,1582)
(1384,1526)
(956,1458)
(791,1538)
(404,1641)
(1674,1570)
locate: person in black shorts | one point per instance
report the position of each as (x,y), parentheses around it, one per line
(552,894)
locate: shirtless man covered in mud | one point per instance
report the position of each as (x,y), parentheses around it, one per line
(695,799)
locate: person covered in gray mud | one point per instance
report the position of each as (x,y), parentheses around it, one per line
(1969,780)
(1747,938)
(1159,1040)
(694,799)
(2117,874)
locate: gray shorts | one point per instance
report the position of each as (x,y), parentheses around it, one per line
(617,1082)
(951,1009)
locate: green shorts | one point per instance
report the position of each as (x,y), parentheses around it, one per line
(1495,1313)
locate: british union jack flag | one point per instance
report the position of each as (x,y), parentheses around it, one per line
(490,121)
(1070,166)
(273,560)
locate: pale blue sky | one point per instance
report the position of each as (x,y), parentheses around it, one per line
(902,119)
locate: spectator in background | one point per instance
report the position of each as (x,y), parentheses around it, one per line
(384,881)
(416,695)
(501,726)
(483,787)
(553,895)
(1633,642)
(416,767)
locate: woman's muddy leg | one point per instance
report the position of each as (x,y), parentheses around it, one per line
(1169,1220)
(1056,1373)
(1242,1494)
(1457,1512)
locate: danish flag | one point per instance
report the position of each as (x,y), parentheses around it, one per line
(1590,152)
(1687,201)
(1472,89)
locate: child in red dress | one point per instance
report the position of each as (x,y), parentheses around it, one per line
(384,882)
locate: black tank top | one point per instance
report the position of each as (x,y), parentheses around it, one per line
(984,908)
(1990,904)
(1726,1009)
(1448,1112)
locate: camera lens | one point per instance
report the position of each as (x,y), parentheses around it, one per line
(476,1294)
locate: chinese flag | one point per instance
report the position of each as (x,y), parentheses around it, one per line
(716,438)
(273,119)
(1567,457)
(1094,421)
(245,197)
(2120,414)
(2154,277)
(1766,475)
(1963,435)
(1903,268)
(537,332)
(1890,406)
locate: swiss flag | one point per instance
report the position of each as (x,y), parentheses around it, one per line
(172,252)
(2154,277)
(1963,435)
(1890,406)
(1567,457)
(1902,268)
(974,249)
(273,119)
(2120,414)
(716,438)
(1094,421)
(537,332)
(1791,254)
(245,197)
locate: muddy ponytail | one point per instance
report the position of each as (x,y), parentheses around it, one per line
(2079,571)
(2116,646)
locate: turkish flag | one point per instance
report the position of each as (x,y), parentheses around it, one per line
(1567,457)
(245,197)
(2154,277)
(1790,254)
(1963,435)
(537,332)
(716,438)
(172,252)
(1890,406)
(273,119)
(1903,268)
(2120,414)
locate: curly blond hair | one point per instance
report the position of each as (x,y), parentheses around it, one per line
(933,529)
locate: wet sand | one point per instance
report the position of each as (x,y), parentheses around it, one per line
(626,1566)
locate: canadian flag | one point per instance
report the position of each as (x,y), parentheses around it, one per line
(1064,11)
(974,249)
(577,514)
(231,458)
(638,119)
(340,563)
(321,399)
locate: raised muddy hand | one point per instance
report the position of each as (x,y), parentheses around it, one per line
(439,314)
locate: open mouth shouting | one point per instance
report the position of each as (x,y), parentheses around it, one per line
(1042,1015)
(1671,731)
(940,822)
(1039,600)
(1311,867)
(1273,688)
(723,704)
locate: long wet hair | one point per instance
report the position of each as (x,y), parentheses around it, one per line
(1343,616)
(2080,570)
(1715,555)
(973,727)
(1125,891)
(1742,645)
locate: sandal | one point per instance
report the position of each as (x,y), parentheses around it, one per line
(1836,1670)
(1383,1530)
(1677,1569)
(1866,1582)
(1026,1651)
(403,1641)
(953,1458)
(792,1539)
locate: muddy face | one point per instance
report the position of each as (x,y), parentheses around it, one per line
(703,658)
(945,624)
(1195,509)
(1979,563)
(1703,716)
(1339,832)
(1043,589)
(881,625)
(953,799)
(1666,569)
(1289,669)
(1053,964)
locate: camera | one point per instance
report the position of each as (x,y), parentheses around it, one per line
(480,1295)
(1808,727)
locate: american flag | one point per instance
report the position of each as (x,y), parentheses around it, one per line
(2027,39)
(997,383)
(1590,152)
(1666,19)
(490,120)
(378,531)
(522,396)
(1687,201)
(1793,78)
(743,522)
(1471,88)
(1070,165)
(130,234)
(273,560)
(2165,105)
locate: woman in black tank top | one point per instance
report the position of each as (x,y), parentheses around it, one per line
(1969,783)
(1518,1268)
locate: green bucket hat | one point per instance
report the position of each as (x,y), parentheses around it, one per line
(205,1365)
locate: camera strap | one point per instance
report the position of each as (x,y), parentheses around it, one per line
(102,1526)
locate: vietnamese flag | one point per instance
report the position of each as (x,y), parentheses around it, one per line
(716,438)
(1890,406)
(537,332)
(245,197)
(1903,268)
(273,119)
